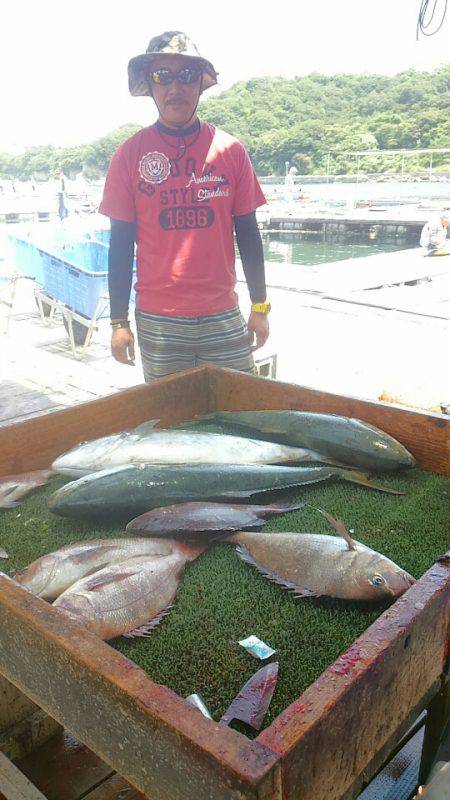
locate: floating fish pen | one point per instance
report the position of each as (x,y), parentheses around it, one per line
(349,229)
(334,724)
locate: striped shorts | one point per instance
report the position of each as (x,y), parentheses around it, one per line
(172,344)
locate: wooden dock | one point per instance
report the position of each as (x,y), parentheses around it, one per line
(330,328)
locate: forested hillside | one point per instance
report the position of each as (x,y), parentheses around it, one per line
(300,121)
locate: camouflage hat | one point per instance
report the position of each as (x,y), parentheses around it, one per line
(174,43)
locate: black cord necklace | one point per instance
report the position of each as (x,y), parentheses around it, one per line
(182,143)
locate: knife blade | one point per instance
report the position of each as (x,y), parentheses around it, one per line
(251,703)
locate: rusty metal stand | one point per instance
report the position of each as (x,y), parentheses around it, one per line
(70,317)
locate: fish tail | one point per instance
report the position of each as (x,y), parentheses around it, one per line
(354,476)
(189,551)
(9,503)
(232,537)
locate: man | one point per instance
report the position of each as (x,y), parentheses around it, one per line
(434,235)
(177,187)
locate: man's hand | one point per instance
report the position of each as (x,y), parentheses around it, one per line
(258,329)
(122,346)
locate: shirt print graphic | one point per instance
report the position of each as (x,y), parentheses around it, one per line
(187,206)
(154,167)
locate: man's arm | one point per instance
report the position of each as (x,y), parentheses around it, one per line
(120,277)
(250,247)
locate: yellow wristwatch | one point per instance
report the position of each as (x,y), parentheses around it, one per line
(261,308)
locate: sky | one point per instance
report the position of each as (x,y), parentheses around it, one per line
(63,63)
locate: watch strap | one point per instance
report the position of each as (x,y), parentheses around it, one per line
(261,308)
(123,323)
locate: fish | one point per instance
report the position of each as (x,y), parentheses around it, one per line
(131,490)
(14,487)
(184,518)
(315,564)
(129,598)
(345,440)
(52,574)
(147,445)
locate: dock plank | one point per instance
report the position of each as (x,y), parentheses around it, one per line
(14,784)
(115,788)
(64,769)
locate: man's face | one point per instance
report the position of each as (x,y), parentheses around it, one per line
(177,101)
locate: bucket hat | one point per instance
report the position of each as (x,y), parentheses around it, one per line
(173,43)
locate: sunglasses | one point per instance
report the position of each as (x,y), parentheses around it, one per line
(187,75)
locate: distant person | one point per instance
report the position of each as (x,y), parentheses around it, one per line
(434,235)
(63,211)
(178,187)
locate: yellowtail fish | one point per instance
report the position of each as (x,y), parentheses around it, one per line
(344,440)
(134,489)
(149,446)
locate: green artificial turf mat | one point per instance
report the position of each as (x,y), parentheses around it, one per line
(222,600)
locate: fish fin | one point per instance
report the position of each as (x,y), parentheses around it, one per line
(282,506)
(243,494)
(104,580)
(9,503)
(322,459)
(339,526)
(250,492)
(361,477)
(3,553)
(145,427)
(145,630)
(299,591)
(86,554)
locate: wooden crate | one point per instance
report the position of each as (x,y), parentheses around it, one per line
(325,744)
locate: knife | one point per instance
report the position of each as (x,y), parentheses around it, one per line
(251,703)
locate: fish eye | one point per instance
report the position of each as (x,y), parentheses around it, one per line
(377,580)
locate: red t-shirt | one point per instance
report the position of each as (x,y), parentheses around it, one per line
(183,209)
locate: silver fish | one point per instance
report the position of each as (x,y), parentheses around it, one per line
(14,487)
(52,574)
(149,446)
(313,564)
(129,598)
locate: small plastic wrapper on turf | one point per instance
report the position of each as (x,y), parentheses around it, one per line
(257,648)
